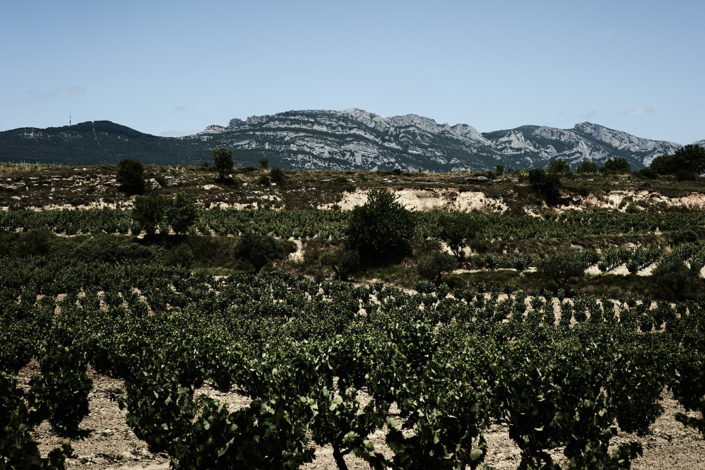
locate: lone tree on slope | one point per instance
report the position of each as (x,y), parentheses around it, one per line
(223,159)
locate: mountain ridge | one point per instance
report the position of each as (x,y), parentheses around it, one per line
(347,139)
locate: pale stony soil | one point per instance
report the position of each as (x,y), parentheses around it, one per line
(110,444)
(427,200)
(450,199)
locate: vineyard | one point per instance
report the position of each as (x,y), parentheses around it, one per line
(274,369)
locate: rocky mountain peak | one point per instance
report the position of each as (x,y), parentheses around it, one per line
(348,139)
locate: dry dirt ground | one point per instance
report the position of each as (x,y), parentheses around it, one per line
(110,444)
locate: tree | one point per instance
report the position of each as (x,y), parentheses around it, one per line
(616,165)
(277,176)
(499,171)
(130,175)
(380,229)
(456,230)
(432,266)
(148,213)
(587,166)
(343,262)
(547,185)
(559,167)
(223,159)
(690,158)
(264,163)
(257,249)
(563,266)
(674,279)
(181,213)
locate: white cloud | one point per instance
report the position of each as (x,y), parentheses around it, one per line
(588,115)
(179,133)
(639,111)
(75,90)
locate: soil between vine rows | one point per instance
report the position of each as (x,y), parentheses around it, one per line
(110,444)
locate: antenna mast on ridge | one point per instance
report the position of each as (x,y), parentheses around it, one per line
(69,118)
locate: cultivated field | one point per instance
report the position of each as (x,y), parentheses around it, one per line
(245,323)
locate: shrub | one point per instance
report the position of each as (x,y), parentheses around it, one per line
(563,266)
(499,171)
(456,231)
(223,159)
(380,229)
(521,263)
(647,173)
(674,278)
(432,266)
(492,262)
(616,165)
(181,256)
(587,167)
(685,175)
(278,176)
(343,262)
(264,163)
(685,235)
(547,185)
(257,249)
(181,213)
(33,243)
(688,160)
(559,167)
(130,175)
(264,180)
(148,213)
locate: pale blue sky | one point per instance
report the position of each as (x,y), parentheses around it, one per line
(174,67)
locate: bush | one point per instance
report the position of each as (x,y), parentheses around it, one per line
(148,213)
(456,230)
(432,266)
(521,263)
(343,262)
(547,185)
(380,229)
(32,243)
(257,249)
(278,176)
(689,159)
(616,165)
(264,180)
(559,167)
(647,173)
(492,262)
(587,167)
(181,213)
(674,279)
(130,175)
(685,235)
(223,159)
(181,256)
(685,175)
(564,266)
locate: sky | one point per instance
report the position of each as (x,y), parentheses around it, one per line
(174,67)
